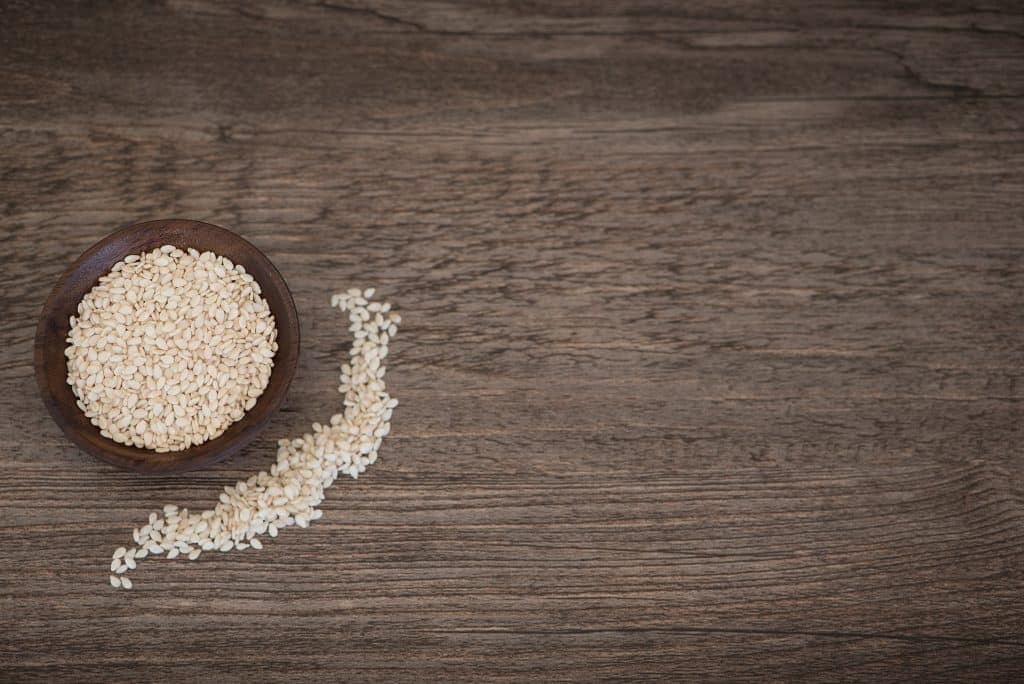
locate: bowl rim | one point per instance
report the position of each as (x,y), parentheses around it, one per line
(87,437)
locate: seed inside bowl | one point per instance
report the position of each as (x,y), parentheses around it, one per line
(170,348)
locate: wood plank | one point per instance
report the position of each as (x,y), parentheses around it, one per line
(711,363)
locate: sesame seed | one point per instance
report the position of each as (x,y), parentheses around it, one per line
(155,308)
(290,492)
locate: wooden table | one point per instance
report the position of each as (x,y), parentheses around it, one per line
(712,357)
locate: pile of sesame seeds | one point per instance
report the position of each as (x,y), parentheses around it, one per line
(290,492)
(170,348)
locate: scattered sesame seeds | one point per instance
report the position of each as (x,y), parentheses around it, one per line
(288,494)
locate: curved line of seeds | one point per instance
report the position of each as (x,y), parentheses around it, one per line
(293,488)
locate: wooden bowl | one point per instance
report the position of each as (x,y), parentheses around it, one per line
(81,276)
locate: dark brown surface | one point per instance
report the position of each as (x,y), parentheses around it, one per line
(711,364)
(54,326)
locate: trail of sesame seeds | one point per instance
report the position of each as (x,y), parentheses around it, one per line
(290,492)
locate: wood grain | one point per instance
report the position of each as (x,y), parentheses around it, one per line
(711,364)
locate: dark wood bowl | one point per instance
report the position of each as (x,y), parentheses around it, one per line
(81,276)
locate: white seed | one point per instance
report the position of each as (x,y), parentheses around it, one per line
(141,341)
(126,583)
(115,581)
(120,551)
(290,491)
